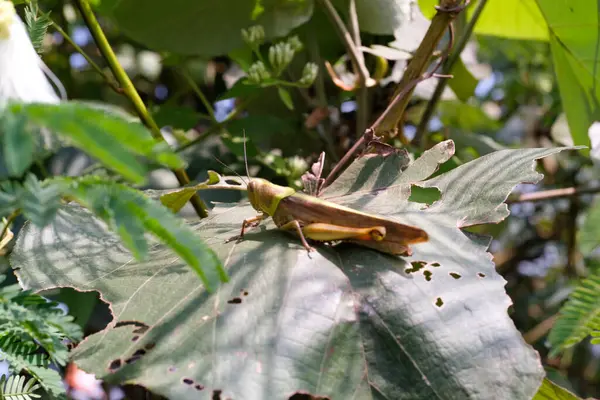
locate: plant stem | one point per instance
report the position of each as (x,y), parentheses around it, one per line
(109,80)
(356,57)
(447,69)
(11,218)
(417,66)
(553,194)
(131,93)
(190,81)
(214,128)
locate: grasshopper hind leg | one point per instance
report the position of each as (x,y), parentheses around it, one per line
(247,223)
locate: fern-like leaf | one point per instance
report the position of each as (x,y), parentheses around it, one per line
(579,317)
(37,25)
(17,387)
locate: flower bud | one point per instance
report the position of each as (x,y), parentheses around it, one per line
(280,56)
(254,36)
(258,72)
(295,43)
(309,73)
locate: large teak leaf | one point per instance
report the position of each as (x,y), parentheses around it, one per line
(344,322)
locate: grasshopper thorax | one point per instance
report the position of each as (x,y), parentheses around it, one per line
(265,196)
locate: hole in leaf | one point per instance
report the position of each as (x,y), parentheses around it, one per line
(216,395)
(150,346)
(199,387)
(435,264)
(235,300)
(455,275)
(427,275)
(424,195)
(481,274)
(187,381)
(135,338)
(416,266)
(439,302)
(115,365)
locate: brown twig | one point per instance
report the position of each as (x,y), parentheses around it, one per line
(418,64)
(540,330)
(452,59)
(401,96)
(553,194)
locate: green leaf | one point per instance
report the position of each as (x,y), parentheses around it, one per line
(111,139)
(512,19)
(132,214)
(199,22)
(39,201)
(579,317)
(573,40)
(18,144)
(551,391)
(589,234)
(379,17)
(285,97)
(344,322)
(462,83)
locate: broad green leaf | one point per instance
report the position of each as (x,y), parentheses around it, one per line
(192,27)
(551,391)
(573,39)
(466,117)
(513,19)
(344,322)
(109,138)
(132,214)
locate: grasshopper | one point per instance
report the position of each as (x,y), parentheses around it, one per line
(320,220)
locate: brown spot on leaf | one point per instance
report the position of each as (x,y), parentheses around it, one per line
(187,381)
(216,395)
(150,346)
(455,275)
(115,365)
(307,396)
(135,338)
(435,264)
(439,302)
(199,387)
(235,300)
(481,274)
(172,369)
(245,292)
(139,353)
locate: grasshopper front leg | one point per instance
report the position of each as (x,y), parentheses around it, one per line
(329,232)
(249,222)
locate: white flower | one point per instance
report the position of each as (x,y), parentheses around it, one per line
(22,76)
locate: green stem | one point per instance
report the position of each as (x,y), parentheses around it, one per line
(447,68)
(215,128)
(95,66)
(190,81)
(129,90)
(11,218)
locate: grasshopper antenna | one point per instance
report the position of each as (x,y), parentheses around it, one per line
(229,168)
(246,157)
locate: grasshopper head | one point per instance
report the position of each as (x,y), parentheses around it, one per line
(265,196)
